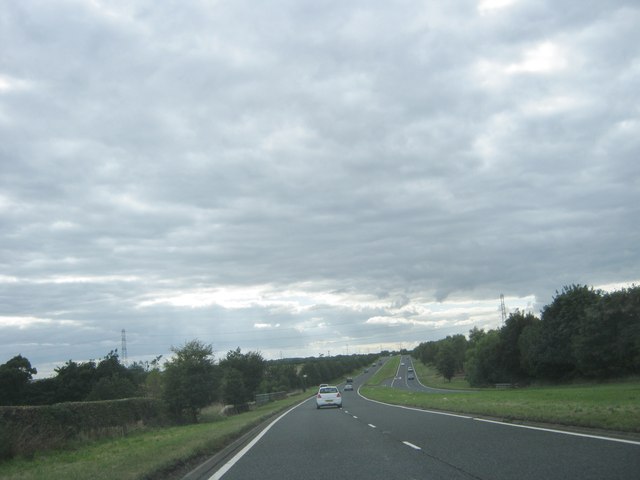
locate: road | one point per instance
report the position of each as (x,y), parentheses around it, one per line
(369,440)
(402,382)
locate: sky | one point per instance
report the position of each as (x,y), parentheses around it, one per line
(302,177)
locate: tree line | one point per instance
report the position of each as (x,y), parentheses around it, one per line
(190,380)
(582,333)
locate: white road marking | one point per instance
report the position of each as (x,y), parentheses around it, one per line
(372,426)
(409,444)
(550,430)
(414,409)
(227,466)
(564,432)
(355,417)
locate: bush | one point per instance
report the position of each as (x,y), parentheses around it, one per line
(27,429)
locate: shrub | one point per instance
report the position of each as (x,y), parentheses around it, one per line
(27,429)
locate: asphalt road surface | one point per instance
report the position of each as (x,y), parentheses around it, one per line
(370,440)
(402,381)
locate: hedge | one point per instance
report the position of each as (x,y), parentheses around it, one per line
(27,429)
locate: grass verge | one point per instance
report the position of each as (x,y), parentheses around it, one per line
(614,407)
(143,455)
(388,370)
(430,377)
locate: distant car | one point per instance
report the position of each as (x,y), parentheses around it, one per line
(323,385)
(349,380)
(328,396)
(348,387)
(366,370)
(410,376)
(410,369)
(402,364)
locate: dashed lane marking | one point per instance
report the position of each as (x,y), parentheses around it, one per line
(409,444)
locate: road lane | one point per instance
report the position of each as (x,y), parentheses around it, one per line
(367,439)
(331,443)
(500,451)
(402,382)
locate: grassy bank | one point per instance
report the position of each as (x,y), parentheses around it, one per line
(429,376)
(143,454)
(614,406)
(388,370)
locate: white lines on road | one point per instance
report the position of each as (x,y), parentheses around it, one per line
(415,409)
(409,444)
(354,417)
(506,424)
(227,466)
(372,426)
(563,432)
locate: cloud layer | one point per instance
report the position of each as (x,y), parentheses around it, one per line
(301,177)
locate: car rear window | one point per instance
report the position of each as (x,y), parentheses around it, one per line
(328,390)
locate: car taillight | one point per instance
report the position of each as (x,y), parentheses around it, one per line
(338,394)
(319,396)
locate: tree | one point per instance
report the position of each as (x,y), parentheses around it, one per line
(112,388)
(279,377)
(251,365)
(427,352)
(234,391)
(482,364)
(191,380)
(459,345)
(446,359)
(74,381)
(608,338)
(112,380)
(15,375)
(510,354)
(552,355)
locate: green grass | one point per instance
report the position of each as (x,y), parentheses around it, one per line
(430,377)
(388,370)
(142,454)
(603,406)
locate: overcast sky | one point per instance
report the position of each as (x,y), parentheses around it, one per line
(303,177)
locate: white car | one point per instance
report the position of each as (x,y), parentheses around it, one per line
(328,396)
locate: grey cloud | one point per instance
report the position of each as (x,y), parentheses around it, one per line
(400,153)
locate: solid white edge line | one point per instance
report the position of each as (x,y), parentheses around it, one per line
(415,409)
(564,432)
(397,372)
(551,430)
(372,426)
(409,444)
(227,466)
